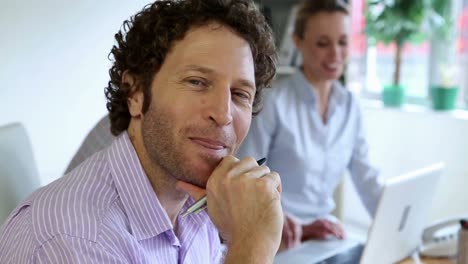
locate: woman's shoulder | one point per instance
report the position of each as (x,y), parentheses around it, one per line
(283,89)
(272,94)
(349,97)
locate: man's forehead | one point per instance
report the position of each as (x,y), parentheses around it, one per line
(210,27)
(204,47)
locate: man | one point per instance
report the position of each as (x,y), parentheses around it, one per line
(186,79)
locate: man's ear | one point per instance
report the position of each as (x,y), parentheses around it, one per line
(135,97)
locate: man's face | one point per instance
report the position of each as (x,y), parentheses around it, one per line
(201,105)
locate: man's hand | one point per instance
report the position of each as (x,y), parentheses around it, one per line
(321,229)
(244,204)
(292,233)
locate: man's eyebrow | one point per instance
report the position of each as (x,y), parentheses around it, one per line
(248,84)
(206,70)
(198,68)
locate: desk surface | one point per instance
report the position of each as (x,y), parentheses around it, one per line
(311,251)
(431,261)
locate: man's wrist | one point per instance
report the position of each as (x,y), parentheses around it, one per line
(251,250)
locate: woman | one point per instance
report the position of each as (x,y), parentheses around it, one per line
(310,128)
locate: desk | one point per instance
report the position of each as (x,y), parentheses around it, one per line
(312,251)
(430,261)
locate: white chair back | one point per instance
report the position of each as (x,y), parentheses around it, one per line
(18,172)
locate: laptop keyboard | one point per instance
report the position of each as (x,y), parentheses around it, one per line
(350,256)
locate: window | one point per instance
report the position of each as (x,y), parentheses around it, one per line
(462,50)
(372,67)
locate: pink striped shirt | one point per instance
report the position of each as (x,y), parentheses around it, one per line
(105,211)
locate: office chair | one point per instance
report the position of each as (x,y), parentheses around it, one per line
(18,172)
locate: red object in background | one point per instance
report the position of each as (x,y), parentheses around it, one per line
(462,41)
(464,224)
(358,41)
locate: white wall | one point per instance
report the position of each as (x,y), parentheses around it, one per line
(404,140)
(53,70)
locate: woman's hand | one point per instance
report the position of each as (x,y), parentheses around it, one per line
(292,233)
(322,229)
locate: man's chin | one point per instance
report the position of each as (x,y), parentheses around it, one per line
(201,171)
(200,183)
(197,177)
(199,165)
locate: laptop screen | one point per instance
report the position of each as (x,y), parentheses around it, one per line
(396,229)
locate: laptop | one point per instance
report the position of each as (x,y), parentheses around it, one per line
(395,232)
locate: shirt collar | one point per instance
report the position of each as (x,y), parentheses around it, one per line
(307,91)
(146,215)
(304,88)
(338,93)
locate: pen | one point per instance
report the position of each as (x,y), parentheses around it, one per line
(200,205)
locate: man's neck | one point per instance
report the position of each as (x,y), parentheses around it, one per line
(163,184)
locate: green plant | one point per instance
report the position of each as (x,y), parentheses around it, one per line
(444,35)
(447,75)
(403,21)
(444,29)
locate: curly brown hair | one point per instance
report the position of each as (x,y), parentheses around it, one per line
(146,38)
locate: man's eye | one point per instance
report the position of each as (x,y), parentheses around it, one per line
(196,82)
(242,95)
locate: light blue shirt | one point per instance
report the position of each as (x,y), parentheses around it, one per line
(310,156)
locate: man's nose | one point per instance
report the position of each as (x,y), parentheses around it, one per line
(219,107)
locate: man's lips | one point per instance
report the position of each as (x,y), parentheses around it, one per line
(209,143)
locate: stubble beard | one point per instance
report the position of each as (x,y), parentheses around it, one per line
(159,139)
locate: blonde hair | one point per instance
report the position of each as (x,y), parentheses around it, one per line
(307,8)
